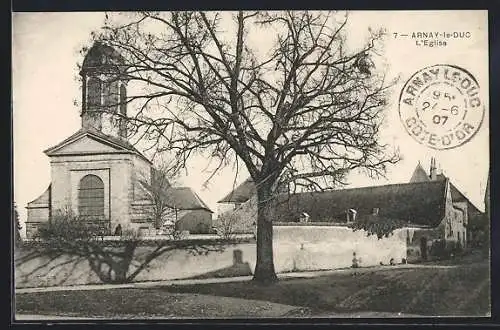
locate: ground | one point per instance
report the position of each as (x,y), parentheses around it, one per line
(384,291)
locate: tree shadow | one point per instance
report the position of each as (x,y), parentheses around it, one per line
(110,261)
(238,268)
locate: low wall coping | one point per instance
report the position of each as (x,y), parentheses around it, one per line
(311,224)
(334,224)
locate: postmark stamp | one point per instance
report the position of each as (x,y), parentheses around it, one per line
(440,106)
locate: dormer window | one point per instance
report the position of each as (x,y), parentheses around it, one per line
(351,215)
(375,211)
(304,217)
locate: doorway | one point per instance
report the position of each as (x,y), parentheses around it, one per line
(423,248)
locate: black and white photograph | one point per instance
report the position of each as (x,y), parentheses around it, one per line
(193,165)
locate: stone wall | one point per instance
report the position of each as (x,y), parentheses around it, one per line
(296,248)
(328,247)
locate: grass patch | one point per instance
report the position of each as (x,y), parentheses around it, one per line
(463,290)
(420,291)
(143,303)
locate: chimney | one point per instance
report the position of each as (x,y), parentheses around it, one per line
(433,170)
(375,211)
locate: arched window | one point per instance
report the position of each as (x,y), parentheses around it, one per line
(111,94)
(94,90)
(91,197)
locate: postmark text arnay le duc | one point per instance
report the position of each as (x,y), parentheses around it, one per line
(440,106)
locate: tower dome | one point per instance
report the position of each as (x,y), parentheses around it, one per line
(104,91)
(101,57)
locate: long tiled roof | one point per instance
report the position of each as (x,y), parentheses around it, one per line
(185,198)
(241,194)
(420,203)
(247,189)
(419,175)
(42,200)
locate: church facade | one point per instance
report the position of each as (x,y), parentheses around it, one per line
(96,172)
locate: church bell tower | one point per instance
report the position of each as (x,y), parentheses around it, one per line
(104,91)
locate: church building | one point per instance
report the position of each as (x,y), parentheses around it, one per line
(96,172)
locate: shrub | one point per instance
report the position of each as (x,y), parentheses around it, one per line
(66,226)
(131,234)
(179,234)
(226,226)
(438,250)
(376,225)
(443,250)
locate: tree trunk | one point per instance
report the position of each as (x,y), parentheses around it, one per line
(264,269)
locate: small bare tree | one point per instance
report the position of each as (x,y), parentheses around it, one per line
(66,226)
(158,191)
(305,113)
(226,225)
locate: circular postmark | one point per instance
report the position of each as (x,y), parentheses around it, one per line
(440,106)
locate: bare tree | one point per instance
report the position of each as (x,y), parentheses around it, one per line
(226,226)
(158,192)
(305,114)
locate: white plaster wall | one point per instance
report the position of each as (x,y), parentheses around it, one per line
(38,214)
(87,144)
(225,207)
(61,187)
(456,214)
(298,248)
(328,247)
(120,188)
(110,124)
(462,225)
(141,171)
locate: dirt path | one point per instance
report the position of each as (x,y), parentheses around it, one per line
(306,274)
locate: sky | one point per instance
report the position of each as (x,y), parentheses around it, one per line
(44,69)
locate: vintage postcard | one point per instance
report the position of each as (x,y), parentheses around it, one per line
(254,164)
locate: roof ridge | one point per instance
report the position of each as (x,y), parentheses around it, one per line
(66,140)
(99,135)
(46,191)
(466,196)
(195,195)
(373,187)
(234,192)
(426,206)
(200,200)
